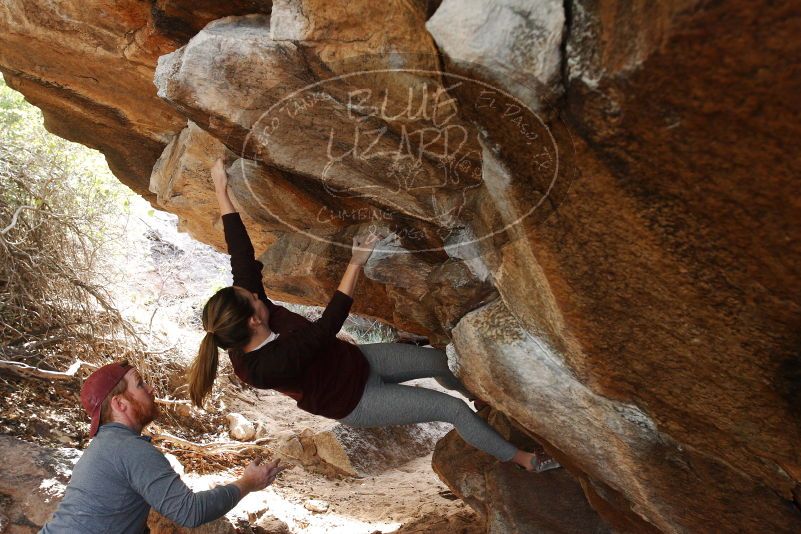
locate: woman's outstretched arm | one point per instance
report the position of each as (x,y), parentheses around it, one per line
(362,248)
(220,178)
(245,269)
(337,310)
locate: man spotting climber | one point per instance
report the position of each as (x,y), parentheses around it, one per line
(121,475)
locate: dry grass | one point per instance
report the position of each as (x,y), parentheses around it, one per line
(51,307)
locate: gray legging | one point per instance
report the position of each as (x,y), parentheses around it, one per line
(386,402)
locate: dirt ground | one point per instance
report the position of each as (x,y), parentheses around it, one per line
(385,502)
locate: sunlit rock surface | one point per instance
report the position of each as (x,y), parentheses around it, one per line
(514,43)
(359,452)
(643,322)
(32,483)
(182,184)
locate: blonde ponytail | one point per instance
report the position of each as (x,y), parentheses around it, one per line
(203,370)
(225,319)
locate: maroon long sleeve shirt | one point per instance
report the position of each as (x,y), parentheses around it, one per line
(307,361)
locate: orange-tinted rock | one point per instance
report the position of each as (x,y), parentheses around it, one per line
(336,31)
(228,77)
(666,482)
(89,66)
(647,321)
(272,101)
(181,180)
(32,483)
(461,522)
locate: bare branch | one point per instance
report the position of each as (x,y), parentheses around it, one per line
(26,370)
(13,222)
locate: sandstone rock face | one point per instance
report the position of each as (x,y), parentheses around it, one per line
(319,216)
(641,321)
(543,395)
(462,522)
(182,184)
(32,483)
(325,26)
(706,273)
(89,66)
(298,134)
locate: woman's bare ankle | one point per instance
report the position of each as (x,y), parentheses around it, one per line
(523,459)
(538,463)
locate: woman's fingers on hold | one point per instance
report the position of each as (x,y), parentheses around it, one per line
(367,240)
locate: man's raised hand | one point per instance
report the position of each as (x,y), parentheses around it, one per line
(258,476)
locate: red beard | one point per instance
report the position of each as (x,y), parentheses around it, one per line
(143,415)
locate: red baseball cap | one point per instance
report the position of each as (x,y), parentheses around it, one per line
(97,387)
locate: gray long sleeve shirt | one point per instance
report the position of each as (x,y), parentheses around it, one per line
(117,480)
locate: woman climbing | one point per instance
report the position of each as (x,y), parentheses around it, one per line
(273,348)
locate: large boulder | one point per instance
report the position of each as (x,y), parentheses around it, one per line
(358,452)
(371,451)
(462,522)
(313,203)
(517,44)
(645,321)
(526,379)
(181,181)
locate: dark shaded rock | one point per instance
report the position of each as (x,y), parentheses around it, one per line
(512,500)
(526,379)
